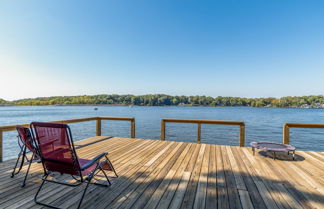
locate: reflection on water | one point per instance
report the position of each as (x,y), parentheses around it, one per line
(262,124)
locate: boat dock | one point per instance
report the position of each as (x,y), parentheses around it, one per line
(166,174)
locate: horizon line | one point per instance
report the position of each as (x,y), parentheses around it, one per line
(156,94)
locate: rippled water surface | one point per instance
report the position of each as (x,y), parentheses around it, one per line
(262,124)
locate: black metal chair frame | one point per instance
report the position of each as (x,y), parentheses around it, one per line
(87,180)
(22,156)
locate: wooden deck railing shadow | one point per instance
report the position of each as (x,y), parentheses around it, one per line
(287,126)
(199,122)
(230,196)
(139,193)
(79,120)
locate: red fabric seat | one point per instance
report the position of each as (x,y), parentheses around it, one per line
(87,171)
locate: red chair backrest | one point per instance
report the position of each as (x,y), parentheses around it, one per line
(26,137)
(56,147)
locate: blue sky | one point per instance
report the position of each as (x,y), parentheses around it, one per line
(215,48)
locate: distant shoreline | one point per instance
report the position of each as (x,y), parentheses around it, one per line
(314,102)
(120,105)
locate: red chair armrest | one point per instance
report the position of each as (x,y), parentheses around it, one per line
(93,161)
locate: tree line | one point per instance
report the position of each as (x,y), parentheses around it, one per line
(167,100)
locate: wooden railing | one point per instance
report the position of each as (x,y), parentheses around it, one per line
(199,122)
(98,127)
(287,126)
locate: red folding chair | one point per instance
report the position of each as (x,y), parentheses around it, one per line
(57,153)
(26,144)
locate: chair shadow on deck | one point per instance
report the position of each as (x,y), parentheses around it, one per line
(152,189)
(78,146)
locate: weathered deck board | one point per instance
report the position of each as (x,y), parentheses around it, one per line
(164,174)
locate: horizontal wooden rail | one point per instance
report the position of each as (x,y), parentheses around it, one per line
(78,120)
(132,120)
(199,122)
(287,126)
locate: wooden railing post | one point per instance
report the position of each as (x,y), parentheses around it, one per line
(285,134)
(162,130)
(199,133)
(133,128)
(98,127)
(1,146)
(286,129)
(242,135)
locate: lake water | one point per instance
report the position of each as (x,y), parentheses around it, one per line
(261,124)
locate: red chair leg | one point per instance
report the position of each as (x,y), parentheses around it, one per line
(89,178)
(30,162)
(21,155)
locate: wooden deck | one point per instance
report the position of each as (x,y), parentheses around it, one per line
(165,174)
